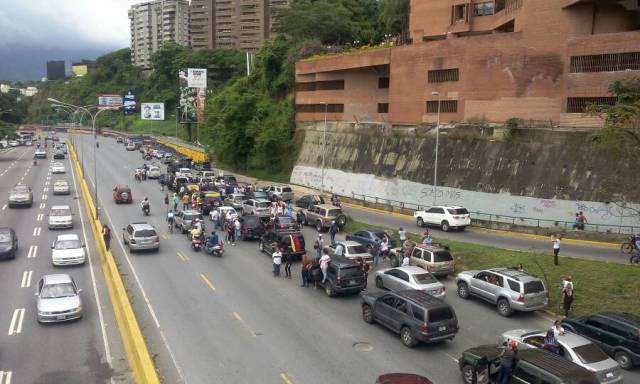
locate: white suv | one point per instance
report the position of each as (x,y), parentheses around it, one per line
(445,217)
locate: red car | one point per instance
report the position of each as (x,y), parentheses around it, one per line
(122,194)
(402,378)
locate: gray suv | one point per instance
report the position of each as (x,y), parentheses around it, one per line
(415,315)
(184,219)
(508,288)
(280,191)
(140,236)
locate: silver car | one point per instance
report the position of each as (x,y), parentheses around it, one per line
(574,348)
(60,216)
(58,299)
(61,187)
(141,236)
(20,195)
(410,277)
(351,250)
(280,191)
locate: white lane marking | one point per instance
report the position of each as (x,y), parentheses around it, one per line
(16,322)
(36,231)
(103,329)
(44,197)
(42,205)
(40,216)
(4,207)
(26,279)
(46,183)
(5,377)
(22,178)
(144,294)
(46,189)
(451,357)
(33,252)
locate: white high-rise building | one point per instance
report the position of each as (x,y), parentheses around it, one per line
(156,22)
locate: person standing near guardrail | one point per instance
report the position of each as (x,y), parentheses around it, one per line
(556,248)
(106,236)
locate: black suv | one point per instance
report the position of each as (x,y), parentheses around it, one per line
(480,365)
(415,315)
(617,333)
(252,226)
(343,276)
(285,224)
(291,243)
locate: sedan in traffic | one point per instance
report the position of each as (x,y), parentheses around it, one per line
(574,348)
(57,168)
(41,153)
(8,243)
(20,195)
(154,172)
(351,250)
(60,216)
(410,277)
(58,299)
(61,187)
(67,250)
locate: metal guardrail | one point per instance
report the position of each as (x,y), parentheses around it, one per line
(505,219)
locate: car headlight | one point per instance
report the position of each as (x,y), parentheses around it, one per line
(42,313)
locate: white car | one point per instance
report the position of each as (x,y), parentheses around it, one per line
(183,172)
(58,299)
(57,168)
(60,216)
(351,250)
(154,172)
(61,187)
(256,207)
(229,212)
(13,143)
(444,217)
(67,250)
(411,277)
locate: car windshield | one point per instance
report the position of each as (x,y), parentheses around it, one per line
(67,244)
(441,256)
(425,278)
(21,189)
(145,233)
(440,314)
(193,216)
(5,237)
(457,211)
(260,194)
(334,212)
(54,291)
(60,212)
(57,164)
(590,353)
(533,287)
(262,204)
(61,183)
(354,249)
(286,189)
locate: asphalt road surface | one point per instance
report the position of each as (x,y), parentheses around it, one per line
(228,320)
(88,350)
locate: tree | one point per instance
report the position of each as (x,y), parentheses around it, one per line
(394,18)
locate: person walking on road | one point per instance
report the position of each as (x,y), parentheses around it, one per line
(375,250)
(237,227)
(106,236)
(567,294)
(300,218)
(288,259)
(304,270)
(215,216)
(324,264)
(176,200)
(333,230)
(185,201)
(556,248)
(277,261)
(318,245)
(231,231)
(507,358)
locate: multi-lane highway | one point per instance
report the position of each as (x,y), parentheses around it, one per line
(228,320)
(85,351)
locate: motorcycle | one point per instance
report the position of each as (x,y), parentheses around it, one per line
(146,210)
(216,250)
(196,243)
(630,245)
(635,258)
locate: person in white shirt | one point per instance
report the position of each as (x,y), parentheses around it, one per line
(403,235)
(557,329)
(237,227)
(277,261)
(384,247)
(215,215)
(339,251)
(405,261)
(556,248)
(324,264)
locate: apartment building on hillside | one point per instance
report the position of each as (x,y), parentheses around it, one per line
(238,24)
(154,23)
(541,60)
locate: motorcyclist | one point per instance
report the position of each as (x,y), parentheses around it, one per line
(145,204)
(196,233)
(170,217)
(212,240)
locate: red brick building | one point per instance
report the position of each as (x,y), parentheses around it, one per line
(540,60)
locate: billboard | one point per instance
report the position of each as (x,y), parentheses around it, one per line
(79,69)
(192,99)
(197,78)
(109,101)
(129,99)
(152,111)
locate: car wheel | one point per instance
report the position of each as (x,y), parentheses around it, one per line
(393,261)
(319,226)
(504,309)
(328,289)
(367,314)
(379,283)
(420,222)
(407,337)
(341,221)
(468,374)
(463,290)
(445,226)
(623,359)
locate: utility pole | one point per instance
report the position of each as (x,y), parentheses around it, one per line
(435,168)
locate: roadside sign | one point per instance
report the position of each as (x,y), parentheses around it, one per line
(109,101)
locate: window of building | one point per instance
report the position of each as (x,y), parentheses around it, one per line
(610,62)
(383,82)
(579,104)
(306,87)
(310,108)
(459,12)
(383,107)
(443,75)
(484,9)
(330,85)
(305,108)
(446,106)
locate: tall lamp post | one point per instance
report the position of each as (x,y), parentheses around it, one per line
(95,142)
(324,145)
(435,167)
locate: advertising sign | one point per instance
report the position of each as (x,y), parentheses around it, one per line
(152,111)
(187,100)
(109,101)
(197,78)
(129,99)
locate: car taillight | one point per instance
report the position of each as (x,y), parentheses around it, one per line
(424,328)
(281,226)
(156,239)
(521,298)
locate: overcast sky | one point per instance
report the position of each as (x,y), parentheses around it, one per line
(66,24)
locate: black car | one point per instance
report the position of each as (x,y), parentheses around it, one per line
(415,315)
(8,243)
(617,333)
(283,224)
(343,276)
(480,364)
(252,226)
(292,243)
(309,200)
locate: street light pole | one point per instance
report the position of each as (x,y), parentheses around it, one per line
(435,168)
(324,145)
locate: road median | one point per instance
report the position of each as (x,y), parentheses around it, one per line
(138,355)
